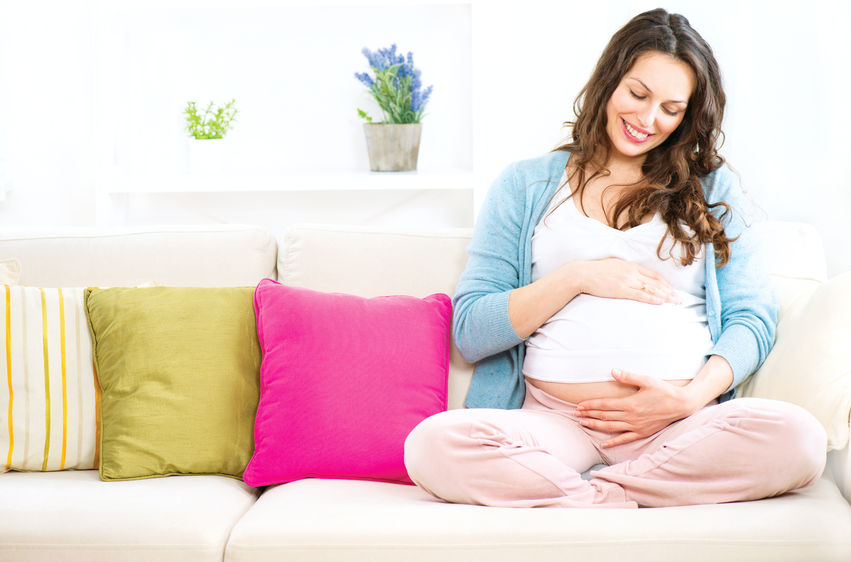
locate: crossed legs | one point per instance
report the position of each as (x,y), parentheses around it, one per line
(743,449)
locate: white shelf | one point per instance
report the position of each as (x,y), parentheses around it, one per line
(289,127)
(289,182)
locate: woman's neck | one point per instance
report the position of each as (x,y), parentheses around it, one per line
(625,170)
(618,169)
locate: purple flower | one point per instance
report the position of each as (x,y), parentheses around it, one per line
(395,84)
(418,99)
(365,79)
(407,67)
(376,60)
(416,83)
(415,101)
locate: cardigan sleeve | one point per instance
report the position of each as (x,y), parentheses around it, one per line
(748,305)
(481,326)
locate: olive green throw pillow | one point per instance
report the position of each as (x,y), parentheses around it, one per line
(179,370)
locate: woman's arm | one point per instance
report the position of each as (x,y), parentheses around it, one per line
(748,306)
(480,323)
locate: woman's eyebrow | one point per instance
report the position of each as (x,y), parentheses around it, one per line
(651,91)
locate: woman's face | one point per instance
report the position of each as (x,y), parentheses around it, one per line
(648,104)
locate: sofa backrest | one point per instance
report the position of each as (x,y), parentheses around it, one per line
(795,260)
(358,260)
(196,256)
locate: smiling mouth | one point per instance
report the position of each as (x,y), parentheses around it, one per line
(634,134)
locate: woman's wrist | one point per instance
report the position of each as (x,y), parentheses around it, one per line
(530,306)
(573,279)
(714,378)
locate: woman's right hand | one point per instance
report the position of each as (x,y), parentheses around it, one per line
(620,279)
(532,305)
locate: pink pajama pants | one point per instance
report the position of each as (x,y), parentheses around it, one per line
(743,449)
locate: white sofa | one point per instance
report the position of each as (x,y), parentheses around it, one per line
(72,515)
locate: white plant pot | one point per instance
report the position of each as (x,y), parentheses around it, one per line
(392,147)
(206,156)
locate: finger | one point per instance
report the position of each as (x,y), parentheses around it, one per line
(665,293)
(643,295)
(626,437)
(606,426)
(602,415)
(632,379)
(661,289)
(656,281)
(611,405)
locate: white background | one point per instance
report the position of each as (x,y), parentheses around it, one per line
(92,92)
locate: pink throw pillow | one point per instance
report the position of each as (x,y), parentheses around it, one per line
(343,381)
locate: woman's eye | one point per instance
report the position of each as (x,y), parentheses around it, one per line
(667,111)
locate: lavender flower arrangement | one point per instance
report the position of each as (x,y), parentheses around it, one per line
(396,87)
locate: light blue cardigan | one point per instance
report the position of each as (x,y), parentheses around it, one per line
(740,305)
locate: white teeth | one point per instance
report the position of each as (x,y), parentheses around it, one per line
(633,132)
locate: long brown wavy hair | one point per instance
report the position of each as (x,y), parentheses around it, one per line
(671,171)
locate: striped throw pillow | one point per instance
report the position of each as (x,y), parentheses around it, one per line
(49,401)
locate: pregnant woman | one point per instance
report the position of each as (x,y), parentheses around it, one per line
(613,299)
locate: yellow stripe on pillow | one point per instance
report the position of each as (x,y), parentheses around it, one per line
(51,391)
(8,356)
(64,380)
(46,379)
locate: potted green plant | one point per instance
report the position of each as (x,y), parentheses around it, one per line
(206,129)
(393,144)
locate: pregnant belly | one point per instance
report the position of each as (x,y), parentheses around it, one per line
(576,392)
(575,351)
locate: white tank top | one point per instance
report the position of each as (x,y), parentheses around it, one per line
(591,335)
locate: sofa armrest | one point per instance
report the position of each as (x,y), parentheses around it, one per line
(839,463)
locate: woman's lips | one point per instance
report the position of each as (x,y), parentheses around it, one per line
(635,135)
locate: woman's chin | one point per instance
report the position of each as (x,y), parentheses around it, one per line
(632,151)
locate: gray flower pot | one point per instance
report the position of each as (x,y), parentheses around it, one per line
(392,147)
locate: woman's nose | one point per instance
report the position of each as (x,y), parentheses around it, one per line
(647,115)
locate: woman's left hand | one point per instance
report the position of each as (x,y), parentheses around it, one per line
(655,405)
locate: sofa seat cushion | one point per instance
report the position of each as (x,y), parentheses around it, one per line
(343,520)
(72,515)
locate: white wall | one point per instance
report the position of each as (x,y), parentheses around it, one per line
(46,113)
(79,93)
